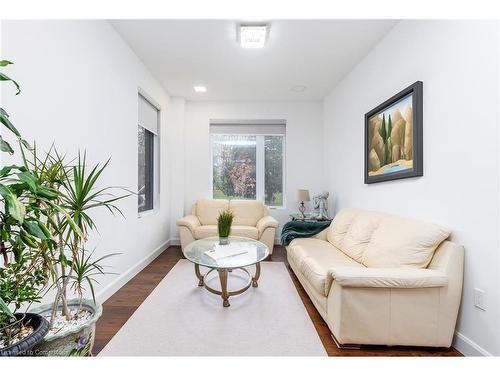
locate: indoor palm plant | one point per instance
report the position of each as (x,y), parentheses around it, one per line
(72,268)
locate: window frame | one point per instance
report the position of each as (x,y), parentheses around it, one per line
(260,165)
(149,151)
(155,157)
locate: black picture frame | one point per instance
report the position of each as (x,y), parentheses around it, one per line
(416,92)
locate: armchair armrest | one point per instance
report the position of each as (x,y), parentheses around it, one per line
(388,277)
(189,221)
(266,222)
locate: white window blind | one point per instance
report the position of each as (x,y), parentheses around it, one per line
(148,115)
(257,127)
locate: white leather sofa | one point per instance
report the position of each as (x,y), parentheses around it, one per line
(383,280)
(251,220)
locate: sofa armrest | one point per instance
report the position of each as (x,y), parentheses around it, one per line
(266,222)
(189,221)
(404,278)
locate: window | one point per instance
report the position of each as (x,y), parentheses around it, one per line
(147,154)
(248,161)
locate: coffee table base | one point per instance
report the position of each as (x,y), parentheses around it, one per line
(223,276)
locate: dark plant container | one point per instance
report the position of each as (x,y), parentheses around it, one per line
(24,347)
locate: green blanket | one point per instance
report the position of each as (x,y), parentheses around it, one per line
(300,229)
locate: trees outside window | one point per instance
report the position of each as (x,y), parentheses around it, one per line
(248,167)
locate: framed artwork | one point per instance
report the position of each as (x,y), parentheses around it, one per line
(393,137)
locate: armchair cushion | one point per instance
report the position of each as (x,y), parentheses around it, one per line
(266,222)
(405,278)
(246,212)
(208,210)
(189,221)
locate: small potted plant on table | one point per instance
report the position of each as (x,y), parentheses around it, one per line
(224,222)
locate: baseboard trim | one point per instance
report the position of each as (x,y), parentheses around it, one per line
(468,347)
(125,277)
(175,242)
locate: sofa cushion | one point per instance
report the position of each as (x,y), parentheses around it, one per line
(314,258)
(208,210)
(399,242)
(204,231)
(360,233)
(340,225)
(246,212)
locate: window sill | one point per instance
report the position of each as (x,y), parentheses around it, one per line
(277,208)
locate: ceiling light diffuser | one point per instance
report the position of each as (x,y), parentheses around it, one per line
(200,89)
(253,36)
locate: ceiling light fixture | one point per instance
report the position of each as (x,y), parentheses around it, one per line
(298,88)
(200,89)
(253,36)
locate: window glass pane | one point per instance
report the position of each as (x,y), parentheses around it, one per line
(145,169)
(234,166)
(273,150)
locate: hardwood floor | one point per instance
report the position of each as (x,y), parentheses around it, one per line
(118,308)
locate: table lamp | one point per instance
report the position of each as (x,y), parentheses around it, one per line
(303,196)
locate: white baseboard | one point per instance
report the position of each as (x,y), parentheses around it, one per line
(468,347)
(175,242)
(125,277)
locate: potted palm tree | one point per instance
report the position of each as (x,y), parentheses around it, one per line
(72,268)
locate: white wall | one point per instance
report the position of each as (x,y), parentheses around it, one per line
(458,63)
(79,89)
(304,152)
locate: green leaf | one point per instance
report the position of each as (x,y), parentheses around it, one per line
(27,145)
(3,77)
(5,147)
(5,62)
(4,308)
(33,228)
(29,180)
(12,203)
(4,119)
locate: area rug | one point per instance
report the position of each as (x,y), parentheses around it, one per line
(181,319)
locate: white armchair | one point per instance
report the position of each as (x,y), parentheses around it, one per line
(251,220)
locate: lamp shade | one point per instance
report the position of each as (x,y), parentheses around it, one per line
(303,195)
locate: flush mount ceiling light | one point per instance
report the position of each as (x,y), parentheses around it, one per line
(298,88)
(200,89)
(253,36)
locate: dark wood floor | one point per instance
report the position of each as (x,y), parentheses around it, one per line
(118,308)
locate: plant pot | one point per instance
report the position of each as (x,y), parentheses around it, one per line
(24,347)
(223,240)
(77,341)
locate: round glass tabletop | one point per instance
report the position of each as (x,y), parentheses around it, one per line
(238,252)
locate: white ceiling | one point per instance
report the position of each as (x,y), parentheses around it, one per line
(311,53)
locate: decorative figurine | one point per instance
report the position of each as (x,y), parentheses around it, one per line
(320,206)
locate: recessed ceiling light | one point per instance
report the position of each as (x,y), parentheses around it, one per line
(253,36)
(298,88)
(200,89)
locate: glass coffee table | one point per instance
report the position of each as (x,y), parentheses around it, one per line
(250,252)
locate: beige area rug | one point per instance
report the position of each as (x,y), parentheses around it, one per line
(181,319)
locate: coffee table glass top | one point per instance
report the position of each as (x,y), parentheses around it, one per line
(252,251)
